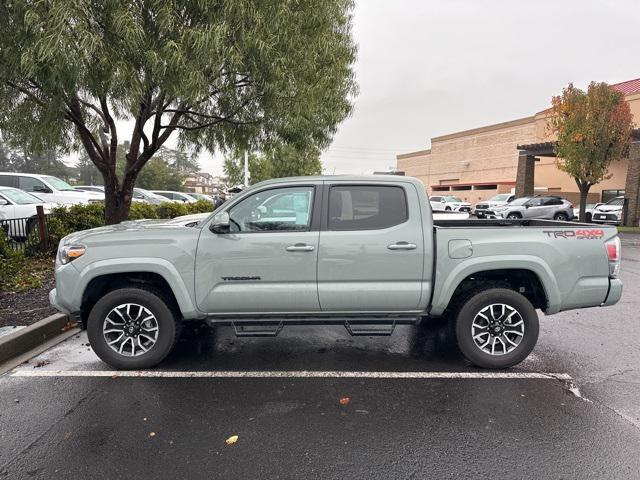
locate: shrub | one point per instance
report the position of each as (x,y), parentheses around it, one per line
(140,210)
(10,260)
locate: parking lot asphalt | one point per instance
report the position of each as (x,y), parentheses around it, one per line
(65,414)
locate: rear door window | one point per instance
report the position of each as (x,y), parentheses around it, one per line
(366,207)
(8,181)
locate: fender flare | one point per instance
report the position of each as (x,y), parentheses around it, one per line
(158,266)
(444,293)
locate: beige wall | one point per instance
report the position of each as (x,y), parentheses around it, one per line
(474,156)
(489,154)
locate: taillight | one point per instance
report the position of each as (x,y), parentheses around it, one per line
(613,254)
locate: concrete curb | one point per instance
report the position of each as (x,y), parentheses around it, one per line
(25,339)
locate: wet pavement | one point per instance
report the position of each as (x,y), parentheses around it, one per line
(584,423)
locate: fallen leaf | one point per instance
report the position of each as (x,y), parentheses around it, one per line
(231,440)
(152,434)
(345,401)
(41,363)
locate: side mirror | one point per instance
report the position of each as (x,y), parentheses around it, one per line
(526,205)
(3,202)
(220,223)
(41,189)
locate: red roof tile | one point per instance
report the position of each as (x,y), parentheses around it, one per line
(628,87)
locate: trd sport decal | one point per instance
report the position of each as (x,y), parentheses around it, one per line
(578,234)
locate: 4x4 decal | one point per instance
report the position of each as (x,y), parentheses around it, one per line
(582,234)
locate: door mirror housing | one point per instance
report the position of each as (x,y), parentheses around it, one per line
(220,223)
(3,202)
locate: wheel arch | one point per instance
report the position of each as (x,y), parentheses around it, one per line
(530,277)
(97,279)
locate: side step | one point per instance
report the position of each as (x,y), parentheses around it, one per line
(370,326)
(249,330)
(377,329)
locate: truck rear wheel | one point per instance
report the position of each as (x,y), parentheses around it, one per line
(132,328)
(496,328)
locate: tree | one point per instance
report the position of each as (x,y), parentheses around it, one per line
(593,129)
(219,74)
(279,161)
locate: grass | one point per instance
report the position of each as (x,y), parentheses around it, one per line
(622,229)
(30,275)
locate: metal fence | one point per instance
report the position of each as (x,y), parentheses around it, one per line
(27,235)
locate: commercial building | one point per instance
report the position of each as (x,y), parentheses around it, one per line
(480,163)
(203,182)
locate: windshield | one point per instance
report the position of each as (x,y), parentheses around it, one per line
(59,184)
(520,201)
(20,197)
(451,198)
(503,197)
(616,201)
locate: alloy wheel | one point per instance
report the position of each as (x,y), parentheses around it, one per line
(497,329)
(130,329)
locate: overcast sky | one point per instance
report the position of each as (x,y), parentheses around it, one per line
(428,68)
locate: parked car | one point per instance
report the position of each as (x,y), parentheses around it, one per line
(364,252)
(48,188)
(20,206)
(201,196)
(449,203)
(90,188)
(139,194)
(610,212)
(175,196)
(588,212)
(546,207)
(485,208)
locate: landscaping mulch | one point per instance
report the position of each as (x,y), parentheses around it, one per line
(29,306)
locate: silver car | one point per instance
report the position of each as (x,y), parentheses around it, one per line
(549,207)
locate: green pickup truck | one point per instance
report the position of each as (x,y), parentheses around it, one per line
(363,252)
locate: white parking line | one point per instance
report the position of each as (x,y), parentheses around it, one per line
(290,374)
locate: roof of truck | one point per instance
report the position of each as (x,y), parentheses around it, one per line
(344,178)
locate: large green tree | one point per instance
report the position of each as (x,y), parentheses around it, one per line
(593,130)
(218,73)
(276,162)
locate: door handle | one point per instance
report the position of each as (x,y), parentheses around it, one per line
(300,247)
(402,246)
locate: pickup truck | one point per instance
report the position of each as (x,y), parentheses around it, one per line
(363,252)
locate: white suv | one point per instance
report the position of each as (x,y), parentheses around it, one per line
(48,188)
(610,212)
(449,203)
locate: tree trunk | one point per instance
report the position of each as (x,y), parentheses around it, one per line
(117,199)
(584,192)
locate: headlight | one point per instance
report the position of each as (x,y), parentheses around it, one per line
(619,215)
(68,253)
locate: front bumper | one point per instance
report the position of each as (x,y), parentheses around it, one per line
(53,300)
(615,292)
(610,218)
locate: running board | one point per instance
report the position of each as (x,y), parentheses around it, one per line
(371,326)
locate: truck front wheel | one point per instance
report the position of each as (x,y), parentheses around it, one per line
(132,328)
(496,328)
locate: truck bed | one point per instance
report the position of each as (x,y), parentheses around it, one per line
(509,223)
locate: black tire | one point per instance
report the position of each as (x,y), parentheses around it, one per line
(467,312)
(447,209)
(513,216)
(479,215)
(562,217)
(588,217)
(168,327)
